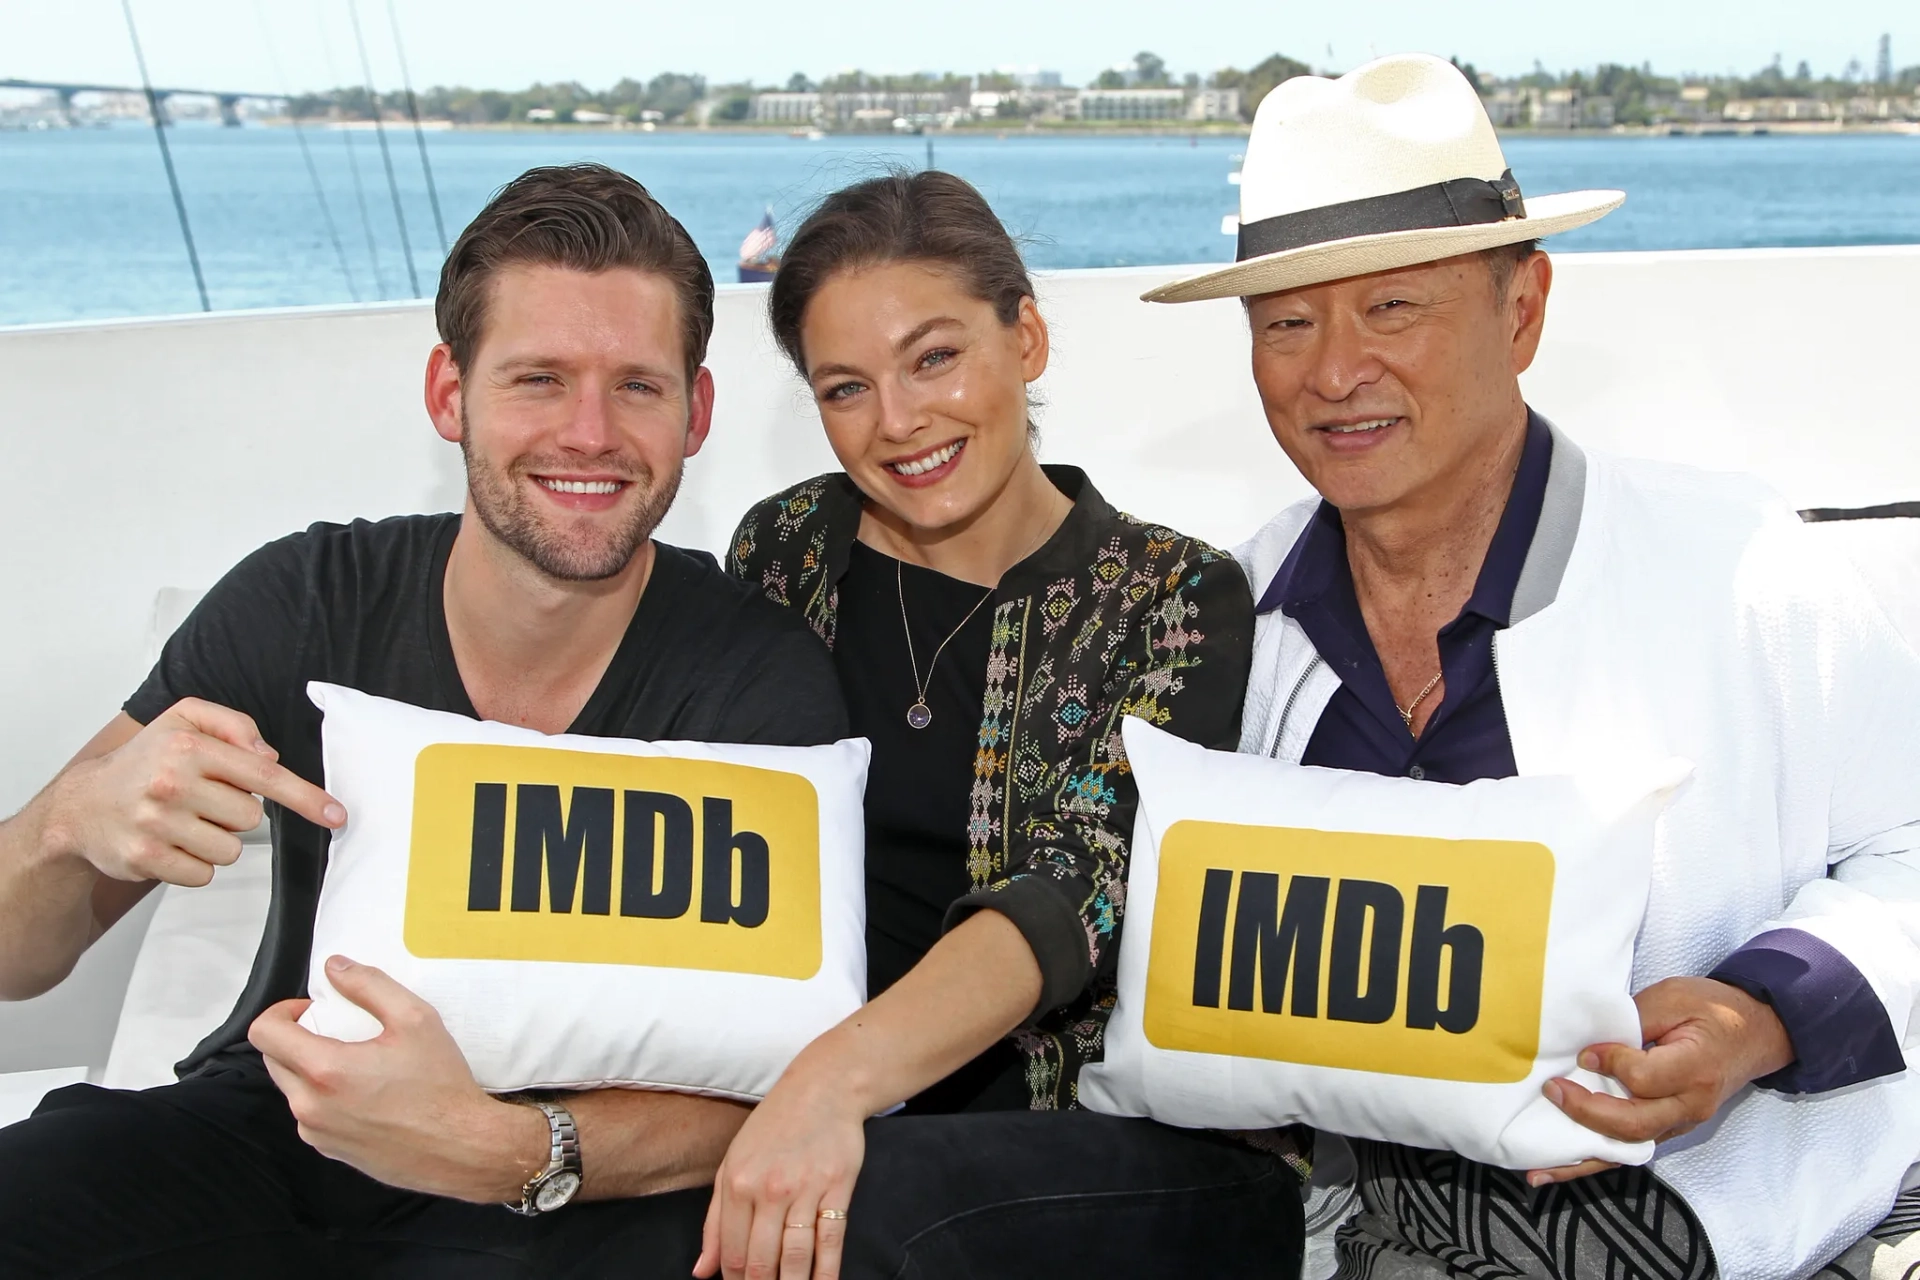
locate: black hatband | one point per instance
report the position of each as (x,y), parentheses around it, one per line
(1461,202)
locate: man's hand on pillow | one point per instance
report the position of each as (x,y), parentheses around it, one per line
(402,1107)
(1705,1041)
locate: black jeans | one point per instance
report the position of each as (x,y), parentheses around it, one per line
(208,1178)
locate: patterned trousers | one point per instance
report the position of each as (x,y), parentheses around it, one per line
(1429,1214)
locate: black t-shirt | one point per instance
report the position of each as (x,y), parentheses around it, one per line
(920,784)
(705,658)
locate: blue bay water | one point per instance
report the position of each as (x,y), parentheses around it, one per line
(87,227)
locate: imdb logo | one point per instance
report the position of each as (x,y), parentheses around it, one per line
(1396,954)
(533,853)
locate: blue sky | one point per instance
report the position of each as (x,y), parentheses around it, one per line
(509,43)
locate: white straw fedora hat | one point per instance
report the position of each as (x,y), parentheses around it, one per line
(1391,165)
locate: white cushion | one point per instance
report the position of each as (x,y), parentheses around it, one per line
(199,946)
(705,968)
(191,969)
(1453,948)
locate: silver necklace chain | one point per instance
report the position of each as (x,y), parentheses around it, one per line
(920,715)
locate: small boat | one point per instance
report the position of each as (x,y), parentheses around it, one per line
(759,258)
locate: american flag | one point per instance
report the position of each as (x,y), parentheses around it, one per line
(760,241)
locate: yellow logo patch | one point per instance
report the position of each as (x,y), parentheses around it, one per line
(1397,954)
(534,853)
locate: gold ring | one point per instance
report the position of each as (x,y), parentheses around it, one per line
(833,1215)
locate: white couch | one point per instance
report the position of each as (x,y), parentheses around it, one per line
(198,944)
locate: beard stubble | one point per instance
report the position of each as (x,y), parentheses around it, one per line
(508,515)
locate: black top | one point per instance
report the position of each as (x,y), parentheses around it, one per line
(918,784)
(704,659)
(919,787)
(1110,617)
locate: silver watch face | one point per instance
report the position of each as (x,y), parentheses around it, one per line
(556,1191)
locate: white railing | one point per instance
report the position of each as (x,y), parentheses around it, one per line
(144,455)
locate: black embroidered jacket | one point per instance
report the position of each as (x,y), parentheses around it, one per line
(1112,617)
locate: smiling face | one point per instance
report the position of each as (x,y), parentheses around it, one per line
(922,389)
(1391,388)
(575,416)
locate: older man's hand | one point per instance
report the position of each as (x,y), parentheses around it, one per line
(402,1107)
(1704,1042)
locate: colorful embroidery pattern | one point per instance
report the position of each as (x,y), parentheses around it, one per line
(1114,617)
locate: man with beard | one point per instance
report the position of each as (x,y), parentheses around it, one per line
(574,316)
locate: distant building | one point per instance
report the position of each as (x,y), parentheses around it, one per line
(1555,109)
(1868,109)
(1776,110)
(1132,104)
(542,115)
(1214,104)
(786,108)
(1037,79)
(1596,112)
(589,115)
(865,107)
(988,104)
(1050,104)
(1692,105)
(1507,108)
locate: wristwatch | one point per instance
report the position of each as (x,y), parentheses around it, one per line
(559,1182)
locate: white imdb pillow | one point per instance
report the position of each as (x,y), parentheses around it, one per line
(593,911)
(1376,957)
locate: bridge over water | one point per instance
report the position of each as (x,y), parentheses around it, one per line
(229,99)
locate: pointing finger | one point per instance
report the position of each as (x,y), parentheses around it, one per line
(252,772)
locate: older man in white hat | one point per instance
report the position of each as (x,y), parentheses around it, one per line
(1475,596)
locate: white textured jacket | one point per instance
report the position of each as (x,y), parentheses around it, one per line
(1669,611)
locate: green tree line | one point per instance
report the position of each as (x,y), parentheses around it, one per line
(1637,91)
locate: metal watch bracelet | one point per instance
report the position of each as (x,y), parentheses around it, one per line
(557,1184)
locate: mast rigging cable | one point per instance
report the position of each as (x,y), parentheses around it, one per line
(306,153)
(166,156)
(353,164)
(386,155)
(419,134)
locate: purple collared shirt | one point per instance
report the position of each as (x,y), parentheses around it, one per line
(1840,1031)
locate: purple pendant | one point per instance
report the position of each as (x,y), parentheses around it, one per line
(919,716)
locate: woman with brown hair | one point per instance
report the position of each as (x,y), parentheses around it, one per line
(992,620)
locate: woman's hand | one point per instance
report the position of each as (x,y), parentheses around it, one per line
(801,1149)
(797,1154)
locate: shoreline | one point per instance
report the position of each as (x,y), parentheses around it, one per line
(1742,129)
(1172,130)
